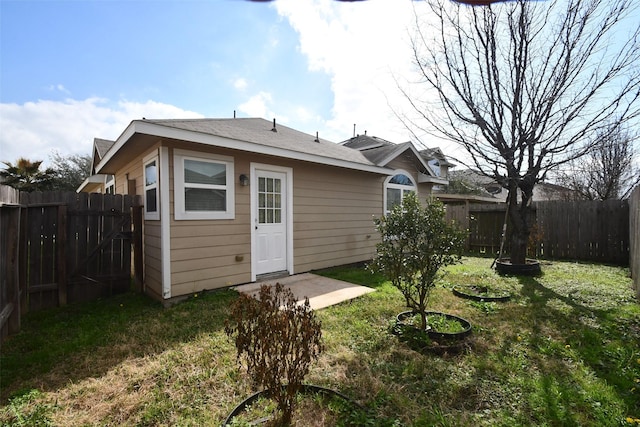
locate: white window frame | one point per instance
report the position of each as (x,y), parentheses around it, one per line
(180,213)
(110,184)
(401,187)
(151,215)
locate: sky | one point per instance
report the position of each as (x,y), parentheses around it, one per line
(75,70)
(71,71)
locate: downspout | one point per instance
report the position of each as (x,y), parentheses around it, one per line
(165,222)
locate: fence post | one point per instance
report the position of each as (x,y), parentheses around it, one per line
(634,238)
(14,320)
(61,254)
(137,248)
(23,265)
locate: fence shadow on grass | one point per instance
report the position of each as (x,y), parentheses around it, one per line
(65,345)
(596,337)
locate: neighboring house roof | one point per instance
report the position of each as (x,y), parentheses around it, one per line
(381,152)
(102,146)
(436,153)
(541,191)
(247,134)
(94,182)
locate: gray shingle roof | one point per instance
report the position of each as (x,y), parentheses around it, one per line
(259,131)
(373,148)
(102,146)
(377,150)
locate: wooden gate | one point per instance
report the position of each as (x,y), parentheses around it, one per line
(74,247)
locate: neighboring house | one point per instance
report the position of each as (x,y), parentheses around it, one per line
(429,166)
(98,183)
(229,201)
(542,191)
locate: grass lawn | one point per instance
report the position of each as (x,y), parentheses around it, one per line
(565,350)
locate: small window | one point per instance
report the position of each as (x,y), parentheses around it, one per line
(203,186)
(151,204)
(110,185)
(396,187)
(434,164)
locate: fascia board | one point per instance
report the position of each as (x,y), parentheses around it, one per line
(432,179)
(217,141)
(93,179)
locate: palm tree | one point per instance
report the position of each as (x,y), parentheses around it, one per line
(26,175)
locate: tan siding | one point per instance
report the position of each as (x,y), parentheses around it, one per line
(334,210)
(216,241)
(152,259)
(209,228)
(203,252)
(408,162)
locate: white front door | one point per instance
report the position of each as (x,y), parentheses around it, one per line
(270,220)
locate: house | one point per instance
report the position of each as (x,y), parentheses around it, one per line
(229,201)
(490,191)
(98,183)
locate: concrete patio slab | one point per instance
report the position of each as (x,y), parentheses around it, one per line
(321,291)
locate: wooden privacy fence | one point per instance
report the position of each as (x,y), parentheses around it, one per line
(585,230)
(634,238)
(64,247)
(595,231)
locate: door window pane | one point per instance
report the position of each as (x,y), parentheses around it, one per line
(269,200)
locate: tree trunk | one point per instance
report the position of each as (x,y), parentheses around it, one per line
(519,247)
(520,229)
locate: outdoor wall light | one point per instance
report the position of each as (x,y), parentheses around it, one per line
(244,180)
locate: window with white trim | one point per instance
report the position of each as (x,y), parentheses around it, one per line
(151,194)
(395,188)
(203,186)
(110,185)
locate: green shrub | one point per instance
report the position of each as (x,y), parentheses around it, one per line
(416,242)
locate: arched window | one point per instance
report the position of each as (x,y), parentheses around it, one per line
(396,187)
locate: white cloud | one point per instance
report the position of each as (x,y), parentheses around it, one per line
(36,129)
(59,88)
(260,105)
(362,46)
(240,84)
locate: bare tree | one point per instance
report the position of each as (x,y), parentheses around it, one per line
(525,86)
(606,172)
(70,170)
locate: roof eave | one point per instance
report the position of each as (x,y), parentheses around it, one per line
(423,178)
(91,180)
